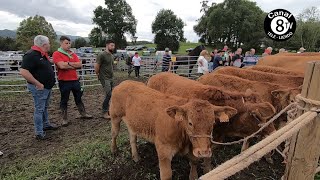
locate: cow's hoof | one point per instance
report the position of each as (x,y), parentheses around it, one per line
(136,158)
(114,150)
(270,160)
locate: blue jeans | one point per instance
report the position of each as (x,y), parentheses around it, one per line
(41,103)
(210,66)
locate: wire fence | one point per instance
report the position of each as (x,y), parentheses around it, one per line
(12,82)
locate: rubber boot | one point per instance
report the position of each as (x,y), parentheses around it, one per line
(64,115)
(83,112)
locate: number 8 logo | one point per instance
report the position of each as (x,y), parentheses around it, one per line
(280,25)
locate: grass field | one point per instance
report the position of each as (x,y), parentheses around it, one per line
(183,47)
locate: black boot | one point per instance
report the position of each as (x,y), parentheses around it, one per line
(83,112)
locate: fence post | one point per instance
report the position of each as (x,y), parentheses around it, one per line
(305,145)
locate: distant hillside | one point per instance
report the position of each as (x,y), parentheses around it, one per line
(8,33)
(13,34)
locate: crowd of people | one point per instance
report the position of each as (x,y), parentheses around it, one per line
(207,63)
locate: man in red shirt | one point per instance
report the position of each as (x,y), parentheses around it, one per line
(67,64)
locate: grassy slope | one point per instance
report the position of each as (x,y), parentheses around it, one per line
(183,47)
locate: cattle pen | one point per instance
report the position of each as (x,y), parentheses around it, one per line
(302,130)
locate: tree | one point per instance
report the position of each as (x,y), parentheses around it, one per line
(96,38)
(237,23)
(168,30)
(115,20)
(8,44)
(80,42)
(31,27)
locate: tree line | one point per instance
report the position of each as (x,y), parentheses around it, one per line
(236,23)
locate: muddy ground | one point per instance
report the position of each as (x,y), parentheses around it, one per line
(17,143)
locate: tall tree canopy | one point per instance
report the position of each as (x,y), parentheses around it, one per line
(8,44)
(30,28)
(96,38)
(80,42)
(232,22)
(168,30)
(115,20)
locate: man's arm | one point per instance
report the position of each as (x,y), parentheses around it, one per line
(97,68)
(28,76)
(64,65)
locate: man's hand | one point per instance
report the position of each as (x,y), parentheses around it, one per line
(39,86)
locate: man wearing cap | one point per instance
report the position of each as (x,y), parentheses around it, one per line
(37,70)
(301,50)
(67,64)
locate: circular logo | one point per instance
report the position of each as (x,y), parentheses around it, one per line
(280,25)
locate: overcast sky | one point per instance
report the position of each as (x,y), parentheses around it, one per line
(74,17)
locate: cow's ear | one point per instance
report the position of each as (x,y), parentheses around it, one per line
(213,93)
(266,110)
(278,93)
(224,113)
(175,112)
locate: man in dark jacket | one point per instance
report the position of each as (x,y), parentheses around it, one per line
(37,70)
(217,60)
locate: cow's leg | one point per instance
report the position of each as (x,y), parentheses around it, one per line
(133,143)
(190,70)
(193,167)
(115,128)
(165,157)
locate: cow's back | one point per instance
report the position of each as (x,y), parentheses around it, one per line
(252,75)
(276,70)
(296,62)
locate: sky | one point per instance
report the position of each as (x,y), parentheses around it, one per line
(74,17)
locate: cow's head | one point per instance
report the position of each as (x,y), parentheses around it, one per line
(259,114)
(283,97)
(197,118)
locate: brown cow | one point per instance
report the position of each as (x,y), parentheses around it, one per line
(297,63)
(175,125)
(285,80)
(276,70)
(279,96)
(253,113)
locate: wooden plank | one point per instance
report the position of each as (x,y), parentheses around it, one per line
(305,146)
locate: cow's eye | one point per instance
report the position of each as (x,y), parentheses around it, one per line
(190,124)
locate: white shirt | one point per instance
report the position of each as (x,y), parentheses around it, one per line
(205,68)
(136,61)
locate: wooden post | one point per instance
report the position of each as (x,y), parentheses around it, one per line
(305,145)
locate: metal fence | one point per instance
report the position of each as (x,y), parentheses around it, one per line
(12,82)
(182,65)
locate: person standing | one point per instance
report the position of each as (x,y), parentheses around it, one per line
(67,64)
(166,61)
(217,61)
(237,59)
(136,62)
(301,50)
(129,64)
(267,52)
(104,71)
(203,65)
(213,54)
(37,70)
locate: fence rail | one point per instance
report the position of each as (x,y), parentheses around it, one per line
(12,82)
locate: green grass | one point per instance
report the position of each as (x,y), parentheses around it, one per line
(317,177)
(183,47)
(87,155)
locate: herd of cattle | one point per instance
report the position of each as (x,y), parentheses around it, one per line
(182,116)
